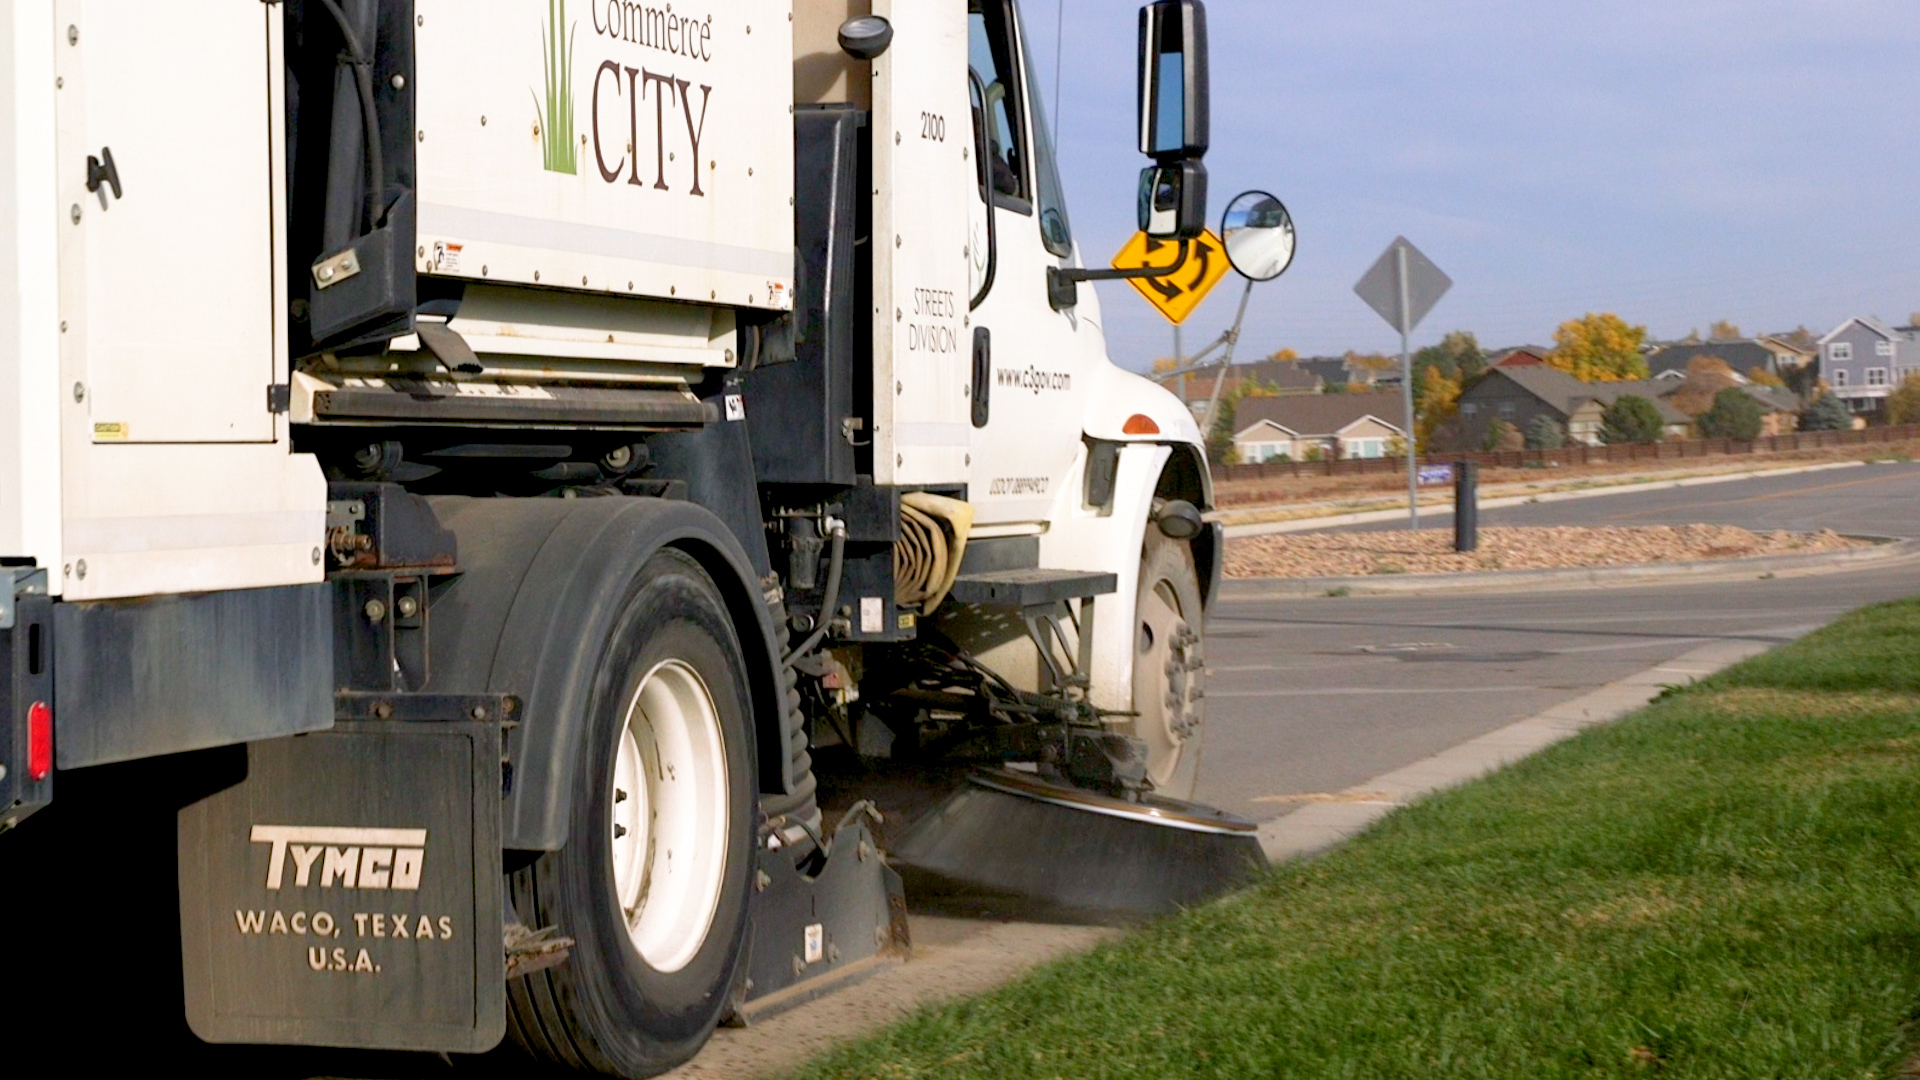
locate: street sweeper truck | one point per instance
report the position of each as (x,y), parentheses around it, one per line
(462,460)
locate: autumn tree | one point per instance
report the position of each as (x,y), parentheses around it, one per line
(1734,415)
(1164,364)
(1436,399)
(1903,405)
(1763,377)
(1631,419)
(1706,377)
(1599,348)
(1458,356)
(1285,356)
(1723,330)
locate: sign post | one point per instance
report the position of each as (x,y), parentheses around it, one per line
(1402,286)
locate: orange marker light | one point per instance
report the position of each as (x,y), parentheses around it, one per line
(1140,424)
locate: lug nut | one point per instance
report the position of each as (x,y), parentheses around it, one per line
(407,606)
(375,610)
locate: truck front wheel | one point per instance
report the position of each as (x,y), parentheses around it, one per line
(1168,670)
(653,881)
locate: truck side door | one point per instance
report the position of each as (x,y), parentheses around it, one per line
(1031,372)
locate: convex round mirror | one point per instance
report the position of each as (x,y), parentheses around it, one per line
(1259,235)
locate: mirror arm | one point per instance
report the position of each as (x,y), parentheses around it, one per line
(1061,280)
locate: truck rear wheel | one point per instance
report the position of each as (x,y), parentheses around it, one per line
(653,881)
(1168,671)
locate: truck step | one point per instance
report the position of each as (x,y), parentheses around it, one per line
(1030,588)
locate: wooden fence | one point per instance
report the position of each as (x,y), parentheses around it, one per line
(1576,455)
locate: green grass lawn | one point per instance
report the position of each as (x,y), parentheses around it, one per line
(1723,885)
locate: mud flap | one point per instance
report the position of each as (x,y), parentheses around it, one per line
(347,892)
(813,935)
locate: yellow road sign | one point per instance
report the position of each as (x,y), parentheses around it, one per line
(1176,295)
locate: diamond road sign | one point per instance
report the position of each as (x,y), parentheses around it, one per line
(1177,294)
(1382,287)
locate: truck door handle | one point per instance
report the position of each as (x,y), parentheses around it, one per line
(102,169)
(982,373)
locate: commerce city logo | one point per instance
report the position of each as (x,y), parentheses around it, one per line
(554,122)
(351,858)
(653,37)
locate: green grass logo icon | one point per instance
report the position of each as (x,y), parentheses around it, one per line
(555,121)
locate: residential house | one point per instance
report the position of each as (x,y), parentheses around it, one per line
(1744,355)
(1863,359)
(1515,396)
(1521,356)
(1279,376)
(1321,425)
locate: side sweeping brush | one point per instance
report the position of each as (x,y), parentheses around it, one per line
(1012,842)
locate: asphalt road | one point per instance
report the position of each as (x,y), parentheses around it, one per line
(1882,500)
(1311,696)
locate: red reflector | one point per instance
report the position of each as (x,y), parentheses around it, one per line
(39,741)
(1140,424)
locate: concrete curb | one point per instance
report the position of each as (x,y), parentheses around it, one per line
(1315,828)
(1886,550)
(1445,509)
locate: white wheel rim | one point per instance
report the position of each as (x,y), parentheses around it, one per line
(669,816)
(1168,707)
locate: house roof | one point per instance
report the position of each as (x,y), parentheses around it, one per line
(1318,415)
(1743,355)
(1867,321)
(1565,394)
(1774,398)
(1518,356)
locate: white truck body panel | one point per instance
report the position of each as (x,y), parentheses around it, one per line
(29,289)
(165,326)
(674,178)
(924,175)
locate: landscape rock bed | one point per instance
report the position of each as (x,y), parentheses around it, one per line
(1430,551)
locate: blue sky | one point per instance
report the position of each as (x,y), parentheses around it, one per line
(1675,162)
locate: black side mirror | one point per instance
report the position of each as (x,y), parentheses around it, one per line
(1173,200)
(1173,80)
(865,37)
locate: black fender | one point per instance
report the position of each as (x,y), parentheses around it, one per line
(1185,476)
(540,583)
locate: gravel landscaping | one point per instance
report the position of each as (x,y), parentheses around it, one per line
(1430,551)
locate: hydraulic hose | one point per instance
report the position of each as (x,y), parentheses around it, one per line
(369,116)
(830,599)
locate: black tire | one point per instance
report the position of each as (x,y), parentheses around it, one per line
(1169,673)
(606,1010)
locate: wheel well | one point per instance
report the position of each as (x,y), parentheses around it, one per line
(1185,477)
(750,612)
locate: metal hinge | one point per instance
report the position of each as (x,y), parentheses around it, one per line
(279,397)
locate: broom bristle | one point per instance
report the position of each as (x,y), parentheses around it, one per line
(1010,848)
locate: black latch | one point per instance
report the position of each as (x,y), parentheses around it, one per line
(279,397)
(102,170)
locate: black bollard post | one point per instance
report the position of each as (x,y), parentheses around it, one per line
(1466,507)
